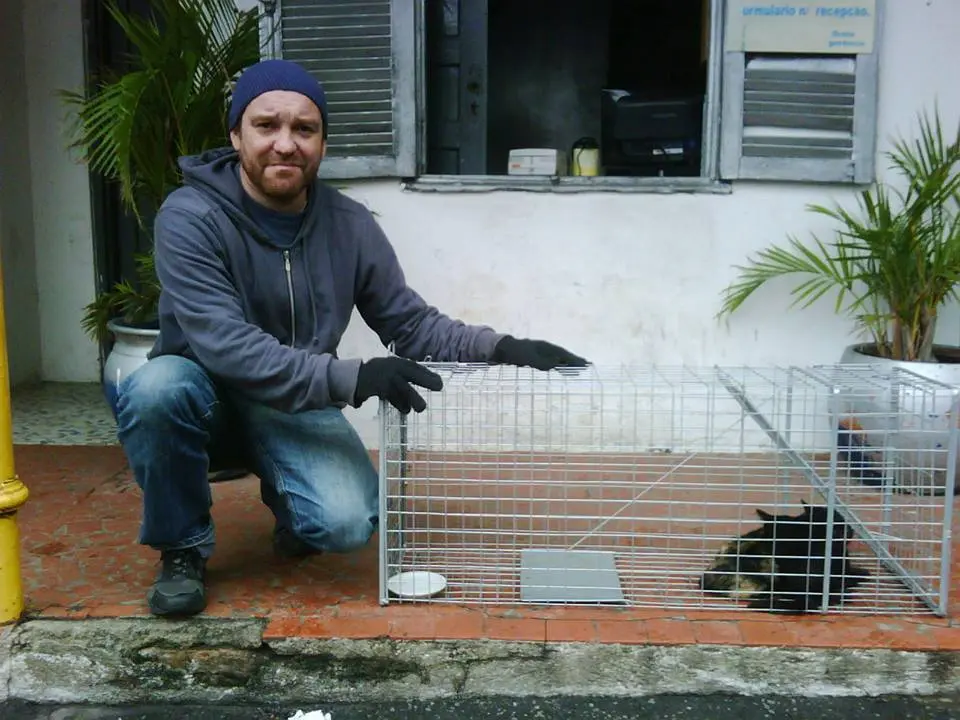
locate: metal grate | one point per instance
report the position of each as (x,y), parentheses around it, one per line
(799,107)
(346,44)
(625,485)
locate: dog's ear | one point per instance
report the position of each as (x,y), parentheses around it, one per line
(765,516)
(803,502)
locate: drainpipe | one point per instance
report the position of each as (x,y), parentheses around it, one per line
(13,493)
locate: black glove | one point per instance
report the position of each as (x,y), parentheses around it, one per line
(390,378)
(538,354)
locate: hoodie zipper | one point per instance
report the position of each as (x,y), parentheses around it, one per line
(293,312)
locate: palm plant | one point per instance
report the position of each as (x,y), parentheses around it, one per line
(893,264)
(132,127)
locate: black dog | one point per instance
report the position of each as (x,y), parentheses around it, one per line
(781,566)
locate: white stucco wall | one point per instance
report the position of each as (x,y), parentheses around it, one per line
(618,278)
(62,229)
(21,303)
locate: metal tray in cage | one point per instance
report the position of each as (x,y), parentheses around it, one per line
(581,576)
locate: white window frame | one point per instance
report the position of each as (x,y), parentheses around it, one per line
(858,169)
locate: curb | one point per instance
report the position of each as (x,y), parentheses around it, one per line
(138,660)
(6,644)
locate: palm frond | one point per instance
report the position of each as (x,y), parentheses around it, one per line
(824,271)
(172,102)
(133,128)
(895,257)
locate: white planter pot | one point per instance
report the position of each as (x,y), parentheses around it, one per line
(902,436)
(129,352)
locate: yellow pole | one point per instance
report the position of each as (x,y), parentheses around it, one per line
(13,493)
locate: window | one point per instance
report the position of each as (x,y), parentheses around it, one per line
(363,51)
(671,92)
(502,74)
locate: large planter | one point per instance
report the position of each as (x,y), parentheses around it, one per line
(130,348)
(901,437)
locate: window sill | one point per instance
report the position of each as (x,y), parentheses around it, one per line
(565,184)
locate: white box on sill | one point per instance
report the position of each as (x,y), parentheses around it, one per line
(537,161)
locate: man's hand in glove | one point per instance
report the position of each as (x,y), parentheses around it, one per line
(537,354)
(392,379)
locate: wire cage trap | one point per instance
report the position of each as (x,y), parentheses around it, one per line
(816,489)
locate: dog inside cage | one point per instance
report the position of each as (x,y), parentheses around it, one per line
(785,564)
(713,488)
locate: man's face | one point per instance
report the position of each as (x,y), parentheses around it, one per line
(280,143)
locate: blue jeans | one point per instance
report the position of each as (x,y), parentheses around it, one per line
(174,421)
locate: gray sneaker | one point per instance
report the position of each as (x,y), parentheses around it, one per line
(179,590)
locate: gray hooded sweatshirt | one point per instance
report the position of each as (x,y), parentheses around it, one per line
(266,319)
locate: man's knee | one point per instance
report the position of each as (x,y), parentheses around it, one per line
(350,534)
(165,389)
(340,533)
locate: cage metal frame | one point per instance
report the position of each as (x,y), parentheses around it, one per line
(840,381)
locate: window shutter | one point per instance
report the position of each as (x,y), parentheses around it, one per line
(364,54)
(797,117)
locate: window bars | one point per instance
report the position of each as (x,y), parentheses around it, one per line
(815,489)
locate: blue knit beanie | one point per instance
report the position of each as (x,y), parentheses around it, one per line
(268,75)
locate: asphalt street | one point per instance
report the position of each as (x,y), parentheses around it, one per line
(695,707)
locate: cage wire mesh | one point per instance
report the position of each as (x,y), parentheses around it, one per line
(710,488)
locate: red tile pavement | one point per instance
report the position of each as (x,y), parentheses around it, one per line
(81,559)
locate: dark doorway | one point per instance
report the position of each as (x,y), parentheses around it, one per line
(116,236)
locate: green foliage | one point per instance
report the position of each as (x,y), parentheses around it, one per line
(132,127)
(893,263)
(135,303)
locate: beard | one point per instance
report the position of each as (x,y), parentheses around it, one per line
(280,182)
